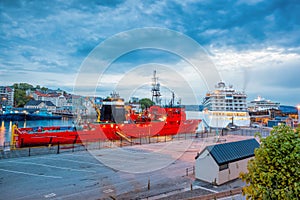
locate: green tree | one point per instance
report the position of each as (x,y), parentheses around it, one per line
(146,103)
(44,89)
(20,97)
(274,172)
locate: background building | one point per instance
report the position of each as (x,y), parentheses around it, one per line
(7,96)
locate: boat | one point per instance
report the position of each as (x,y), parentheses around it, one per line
(225,107)
(115,121)
(42,114)
(23,116)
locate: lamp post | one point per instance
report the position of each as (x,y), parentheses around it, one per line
(298,108)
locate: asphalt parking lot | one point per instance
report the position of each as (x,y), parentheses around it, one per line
(140,171)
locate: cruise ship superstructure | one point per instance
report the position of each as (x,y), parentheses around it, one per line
(262,104)
(224,107)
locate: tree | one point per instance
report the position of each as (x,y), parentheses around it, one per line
(146,103)
(274,172)
(20,97)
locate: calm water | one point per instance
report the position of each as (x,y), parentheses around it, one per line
(5,126)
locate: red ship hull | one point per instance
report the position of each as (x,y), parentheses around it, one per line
(156,122)
(95,132)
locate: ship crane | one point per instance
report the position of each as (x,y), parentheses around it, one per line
(97,109)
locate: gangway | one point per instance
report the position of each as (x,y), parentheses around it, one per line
(119,133)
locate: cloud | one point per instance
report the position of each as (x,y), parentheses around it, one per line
(272,71)
(241,36)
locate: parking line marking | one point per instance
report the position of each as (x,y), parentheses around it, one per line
(203,188)
(63,159)
(45,165)
(30,174)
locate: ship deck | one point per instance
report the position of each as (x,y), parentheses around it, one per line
(101,174)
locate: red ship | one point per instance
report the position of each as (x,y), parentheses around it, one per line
(114,122)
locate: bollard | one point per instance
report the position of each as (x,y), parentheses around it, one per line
(193,170)
(29,151)
(57,148)
(191,187)
(140,140)
(148,184)
(187,171)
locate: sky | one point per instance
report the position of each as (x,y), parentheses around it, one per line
(95,47)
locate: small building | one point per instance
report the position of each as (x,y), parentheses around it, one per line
(38,104)
(6,96)
(221,163)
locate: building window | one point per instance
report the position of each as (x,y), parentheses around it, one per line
(222,167)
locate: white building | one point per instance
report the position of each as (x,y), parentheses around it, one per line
(38,104)
(7,96)
(221,163)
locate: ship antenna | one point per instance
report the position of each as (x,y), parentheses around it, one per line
(172,102)
(155,89)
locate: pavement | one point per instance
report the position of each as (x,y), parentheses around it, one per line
(148,171)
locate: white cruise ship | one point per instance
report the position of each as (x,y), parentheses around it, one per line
(225,106)
(262,104)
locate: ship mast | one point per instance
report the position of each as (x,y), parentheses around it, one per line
(155,89)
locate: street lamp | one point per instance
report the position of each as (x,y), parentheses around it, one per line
(298,108)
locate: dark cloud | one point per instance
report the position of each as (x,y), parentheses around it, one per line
(56,36)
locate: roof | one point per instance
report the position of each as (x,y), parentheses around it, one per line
(37,102)
(232,151)
(288,109)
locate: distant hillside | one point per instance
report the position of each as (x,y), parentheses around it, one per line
(192,107)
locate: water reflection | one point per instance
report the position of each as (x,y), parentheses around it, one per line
(2,133)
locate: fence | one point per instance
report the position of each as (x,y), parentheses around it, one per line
(251,132)
(7,151)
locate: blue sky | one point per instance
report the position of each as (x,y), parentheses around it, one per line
(253,44)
